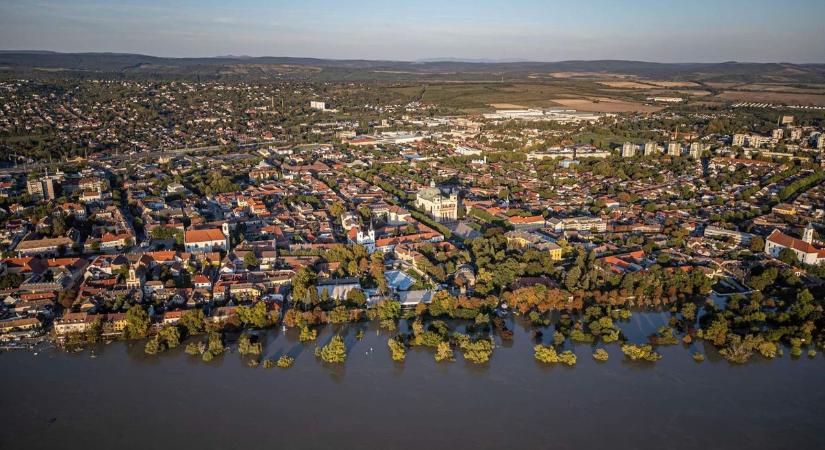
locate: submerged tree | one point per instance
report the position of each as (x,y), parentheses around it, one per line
(444,352)
(643,352)
(397,348)
(600,355)
(334,352)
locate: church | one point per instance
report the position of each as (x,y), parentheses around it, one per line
(804,249)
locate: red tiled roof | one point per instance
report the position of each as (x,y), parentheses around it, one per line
(531,219)
(213,234)
(780,238)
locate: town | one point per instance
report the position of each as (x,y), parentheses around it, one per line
(166,210)
(412,225)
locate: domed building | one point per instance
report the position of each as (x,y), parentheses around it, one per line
(439,206)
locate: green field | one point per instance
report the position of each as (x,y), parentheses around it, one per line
(477,97)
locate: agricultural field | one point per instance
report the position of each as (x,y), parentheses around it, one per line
(774,97)
(480,97)
(604,104)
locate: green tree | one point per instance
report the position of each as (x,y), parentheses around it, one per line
(788,256)
(757,244)
(137,322)
(169,336)
(250,261)
(302,281)
(153,346)
(389,309)
(247,347)
(444,352)
(335,352)
(644,352)
(356,298)
(285,361)
(307,334)
(397,348)
(255,315)
(193,321)
(571,280)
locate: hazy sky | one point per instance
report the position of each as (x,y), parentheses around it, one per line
(548,30)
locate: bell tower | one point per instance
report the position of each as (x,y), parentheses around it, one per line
(808,234)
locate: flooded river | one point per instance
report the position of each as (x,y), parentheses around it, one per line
(121,398)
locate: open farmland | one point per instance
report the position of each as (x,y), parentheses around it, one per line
(477,97)
(603,104)
(774,97)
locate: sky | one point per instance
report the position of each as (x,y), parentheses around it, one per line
(524,30)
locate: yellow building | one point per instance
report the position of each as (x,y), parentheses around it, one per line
(524,239)
(785,209)
(555,253)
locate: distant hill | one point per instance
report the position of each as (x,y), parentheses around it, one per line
(134,66)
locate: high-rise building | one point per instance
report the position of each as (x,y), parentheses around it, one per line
(629,150)
(777,134)
(757,140)
(696,149)
(795,134)
(738,140)
(820,141)
(674,149)
(785,120)
(651,148)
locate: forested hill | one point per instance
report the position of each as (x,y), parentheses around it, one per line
(134,66)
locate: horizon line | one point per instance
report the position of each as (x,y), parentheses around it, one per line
(412,61)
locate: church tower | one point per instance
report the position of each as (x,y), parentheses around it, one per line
(367,239)
(808,234)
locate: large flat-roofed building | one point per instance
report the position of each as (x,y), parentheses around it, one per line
(577,224)
(738,237)
(550,114)
(44,247)
(437,205)
(337,288)
(44,188)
